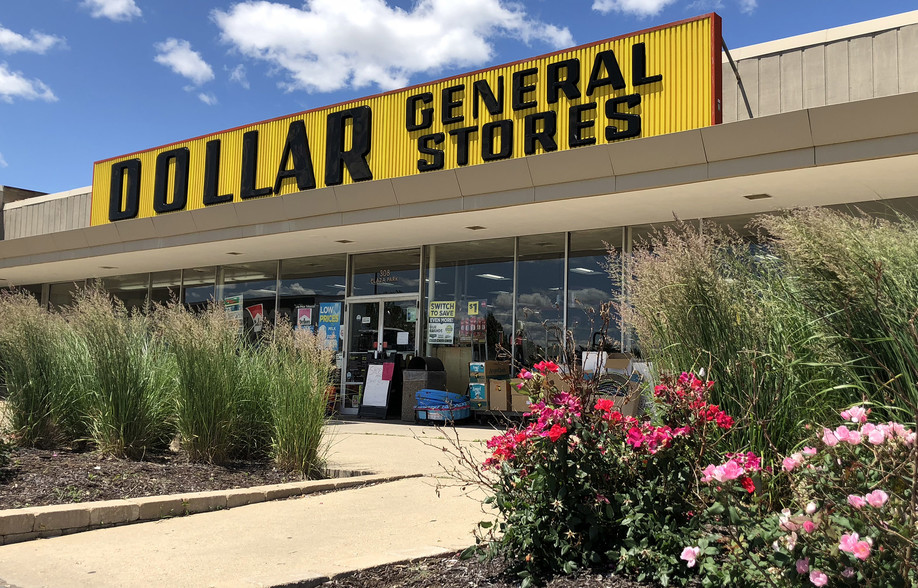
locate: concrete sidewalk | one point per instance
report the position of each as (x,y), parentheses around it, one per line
(295,541)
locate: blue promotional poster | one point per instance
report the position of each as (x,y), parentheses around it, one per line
(329,328)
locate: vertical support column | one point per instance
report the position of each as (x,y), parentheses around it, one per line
(431,293)
(564,298)
(516,255)
(277,287)
(148,301)
(625,294)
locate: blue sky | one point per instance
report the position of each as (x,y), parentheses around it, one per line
(84,80)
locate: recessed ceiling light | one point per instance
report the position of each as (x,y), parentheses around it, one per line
(108,267)
(491,277)
(476,228)
(234,253)
(344,241)
(756,196)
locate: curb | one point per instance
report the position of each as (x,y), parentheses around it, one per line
(25,524)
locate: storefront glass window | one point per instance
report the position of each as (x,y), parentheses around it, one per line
(198,286)
(389,272)
(34,290)
(60,295)
(540,298)
(255,286)
(308,282)
(589,285)
(165,286)
(130,289)
(477,278)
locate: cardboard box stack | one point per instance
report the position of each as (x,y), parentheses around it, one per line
(480,373)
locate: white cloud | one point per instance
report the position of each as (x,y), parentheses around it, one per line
(207,98)
(112,9)
(636,7)
(331,44)
(14,85)
(643,8)
(748,6)
(3,162)
(237,74)
(11,42)
(177,55)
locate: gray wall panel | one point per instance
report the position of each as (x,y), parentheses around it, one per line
(749,71)
(814,76)
(792,81)
(769,85)
(908,59)
(41,218)
(837,72)
(886,64)
(860,68)
(730,99)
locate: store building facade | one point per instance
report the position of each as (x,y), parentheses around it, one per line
(453,218)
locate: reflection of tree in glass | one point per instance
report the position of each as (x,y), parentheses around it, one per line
(495,335)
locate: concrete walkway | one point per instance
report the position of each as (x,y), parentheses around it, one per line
(288,542)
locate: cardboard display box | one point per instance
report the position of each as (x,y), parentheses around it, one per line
(481,371)
(519,402)
(499,394)
(479,395)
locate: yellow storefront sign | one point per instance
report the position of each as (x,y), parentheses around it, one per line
(654,82)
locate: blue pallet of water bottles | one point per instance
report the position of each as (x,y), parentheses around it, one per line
(439,405)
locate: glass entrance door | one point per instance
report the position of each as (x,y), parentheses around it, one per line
(377,328)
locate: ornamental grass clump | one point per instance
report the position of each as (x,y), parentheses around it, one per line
(580,485)
(45,370)
(208,355)
(702,296)
(859,276)
(300,374)
(129,394)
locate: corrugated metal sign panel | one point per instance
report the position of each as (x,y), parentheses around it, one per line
(677,89)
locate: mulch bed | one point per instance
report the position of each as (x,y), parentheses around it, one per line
(452,572)
(37,477)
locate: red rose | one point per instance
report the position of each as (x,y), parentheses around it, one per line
(748,484)
(555,432)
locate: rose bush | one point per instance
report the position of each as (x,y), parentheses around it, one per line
(852,518)
(581,485)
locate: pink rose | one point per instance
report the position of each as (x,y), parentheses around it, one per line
(876,436)
(690,554)
(854,437)
(855,415)
(789,464)
(809,451)
(861,550)
(818,578)
(829,438)
(847,542)
(708,473)
(856,501)
(809,526)
(803,565)
(731,471)
(877,498)
(842,433)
